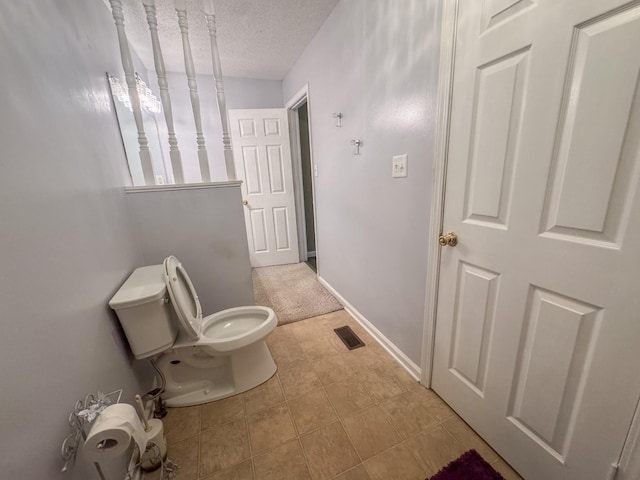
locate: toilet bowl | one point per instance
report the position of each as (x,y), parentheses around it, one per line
(201,358)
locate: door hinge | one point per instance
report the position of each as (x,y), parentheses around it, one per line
(613,471)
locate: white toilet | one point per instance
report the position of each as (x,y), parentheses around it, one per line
(202,359)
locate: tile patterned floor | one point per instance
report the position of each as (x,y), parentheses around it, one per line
(328,413)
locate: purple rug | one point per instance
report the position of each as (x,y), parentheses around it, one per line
(470,466)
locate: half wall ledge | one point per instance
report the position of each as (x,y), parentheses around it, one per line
(182,186)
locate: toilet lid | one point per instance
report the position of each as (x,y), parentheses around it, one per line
(183,296)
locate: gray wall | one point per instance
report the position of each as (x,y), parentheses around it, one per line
(253,93)
(239,92)
(204,228)
(64,235)
(376,61)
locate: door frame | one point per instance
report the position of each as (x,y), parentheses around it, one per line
(629,460)
(292,106)
(443,118)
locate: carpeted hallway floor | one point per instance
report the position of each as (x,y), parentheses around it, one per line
(293,292)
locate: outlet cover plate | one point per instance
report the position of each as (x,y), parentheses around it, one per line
(399,166)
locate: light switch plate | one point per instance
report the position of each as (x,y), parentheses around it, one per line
(399,166)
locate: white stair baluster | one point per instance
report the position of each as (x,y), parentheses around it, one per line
(174,152)
(209,13)
(181,10)
(130,76)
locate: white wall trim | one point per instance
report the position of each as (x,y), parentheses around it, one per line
(183,186)
(296,100)
(445,90)
(388,345)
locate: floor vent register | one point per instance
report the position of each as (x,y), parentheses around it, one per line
(348,337)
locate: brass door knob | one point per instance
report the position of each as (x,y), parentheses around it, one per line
(245,202)
(450,239)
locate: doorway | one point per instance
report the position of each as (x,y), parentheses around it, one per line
(304,173)
(307,186)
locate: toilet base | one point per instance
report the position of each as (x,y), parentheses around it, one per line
(195,376)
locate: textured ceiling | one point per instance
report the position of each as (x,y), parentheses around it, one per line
(256,38)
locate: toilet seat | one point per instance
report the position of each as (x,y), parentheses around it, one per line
(183,297)
(221,332)
(237,327)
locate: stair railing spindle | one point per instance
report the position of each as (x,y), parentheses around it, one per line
(210,16)
(163,85)
(181,10)
(130,76)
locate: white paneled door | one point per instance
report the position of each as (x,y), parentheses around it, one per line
(538,328)
(262,153)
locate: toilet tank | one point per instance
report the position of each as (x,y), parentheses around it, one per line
(142,306)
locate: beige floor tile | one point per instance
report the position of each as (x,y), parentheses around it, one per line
(366,358)
(399,375)
(264,396)
(435,448)
(242,471)
(358,473)
(181,423)
(223,447)
(407,414)
(469,439)
(332,370)
(320,346)
(370,432)
(348,397)
(298,380)
(286,354)
(271,427)
(185,454)
(380,384)
(329,452)
(318,377)
(222,411)
(284,462)
(397,463)
(312,410)
(281,335)
(505,470)
(436,407)
(307,329)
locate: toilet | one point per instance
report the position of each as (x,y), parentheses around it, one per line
(201,358)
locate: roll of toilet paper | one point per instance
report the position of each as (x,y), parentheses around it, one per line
(111,433)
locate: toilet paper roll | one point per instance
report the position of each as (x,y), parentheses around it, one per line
(111,433)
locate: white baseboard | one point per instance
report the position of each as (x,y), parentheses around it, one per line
(388,345)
